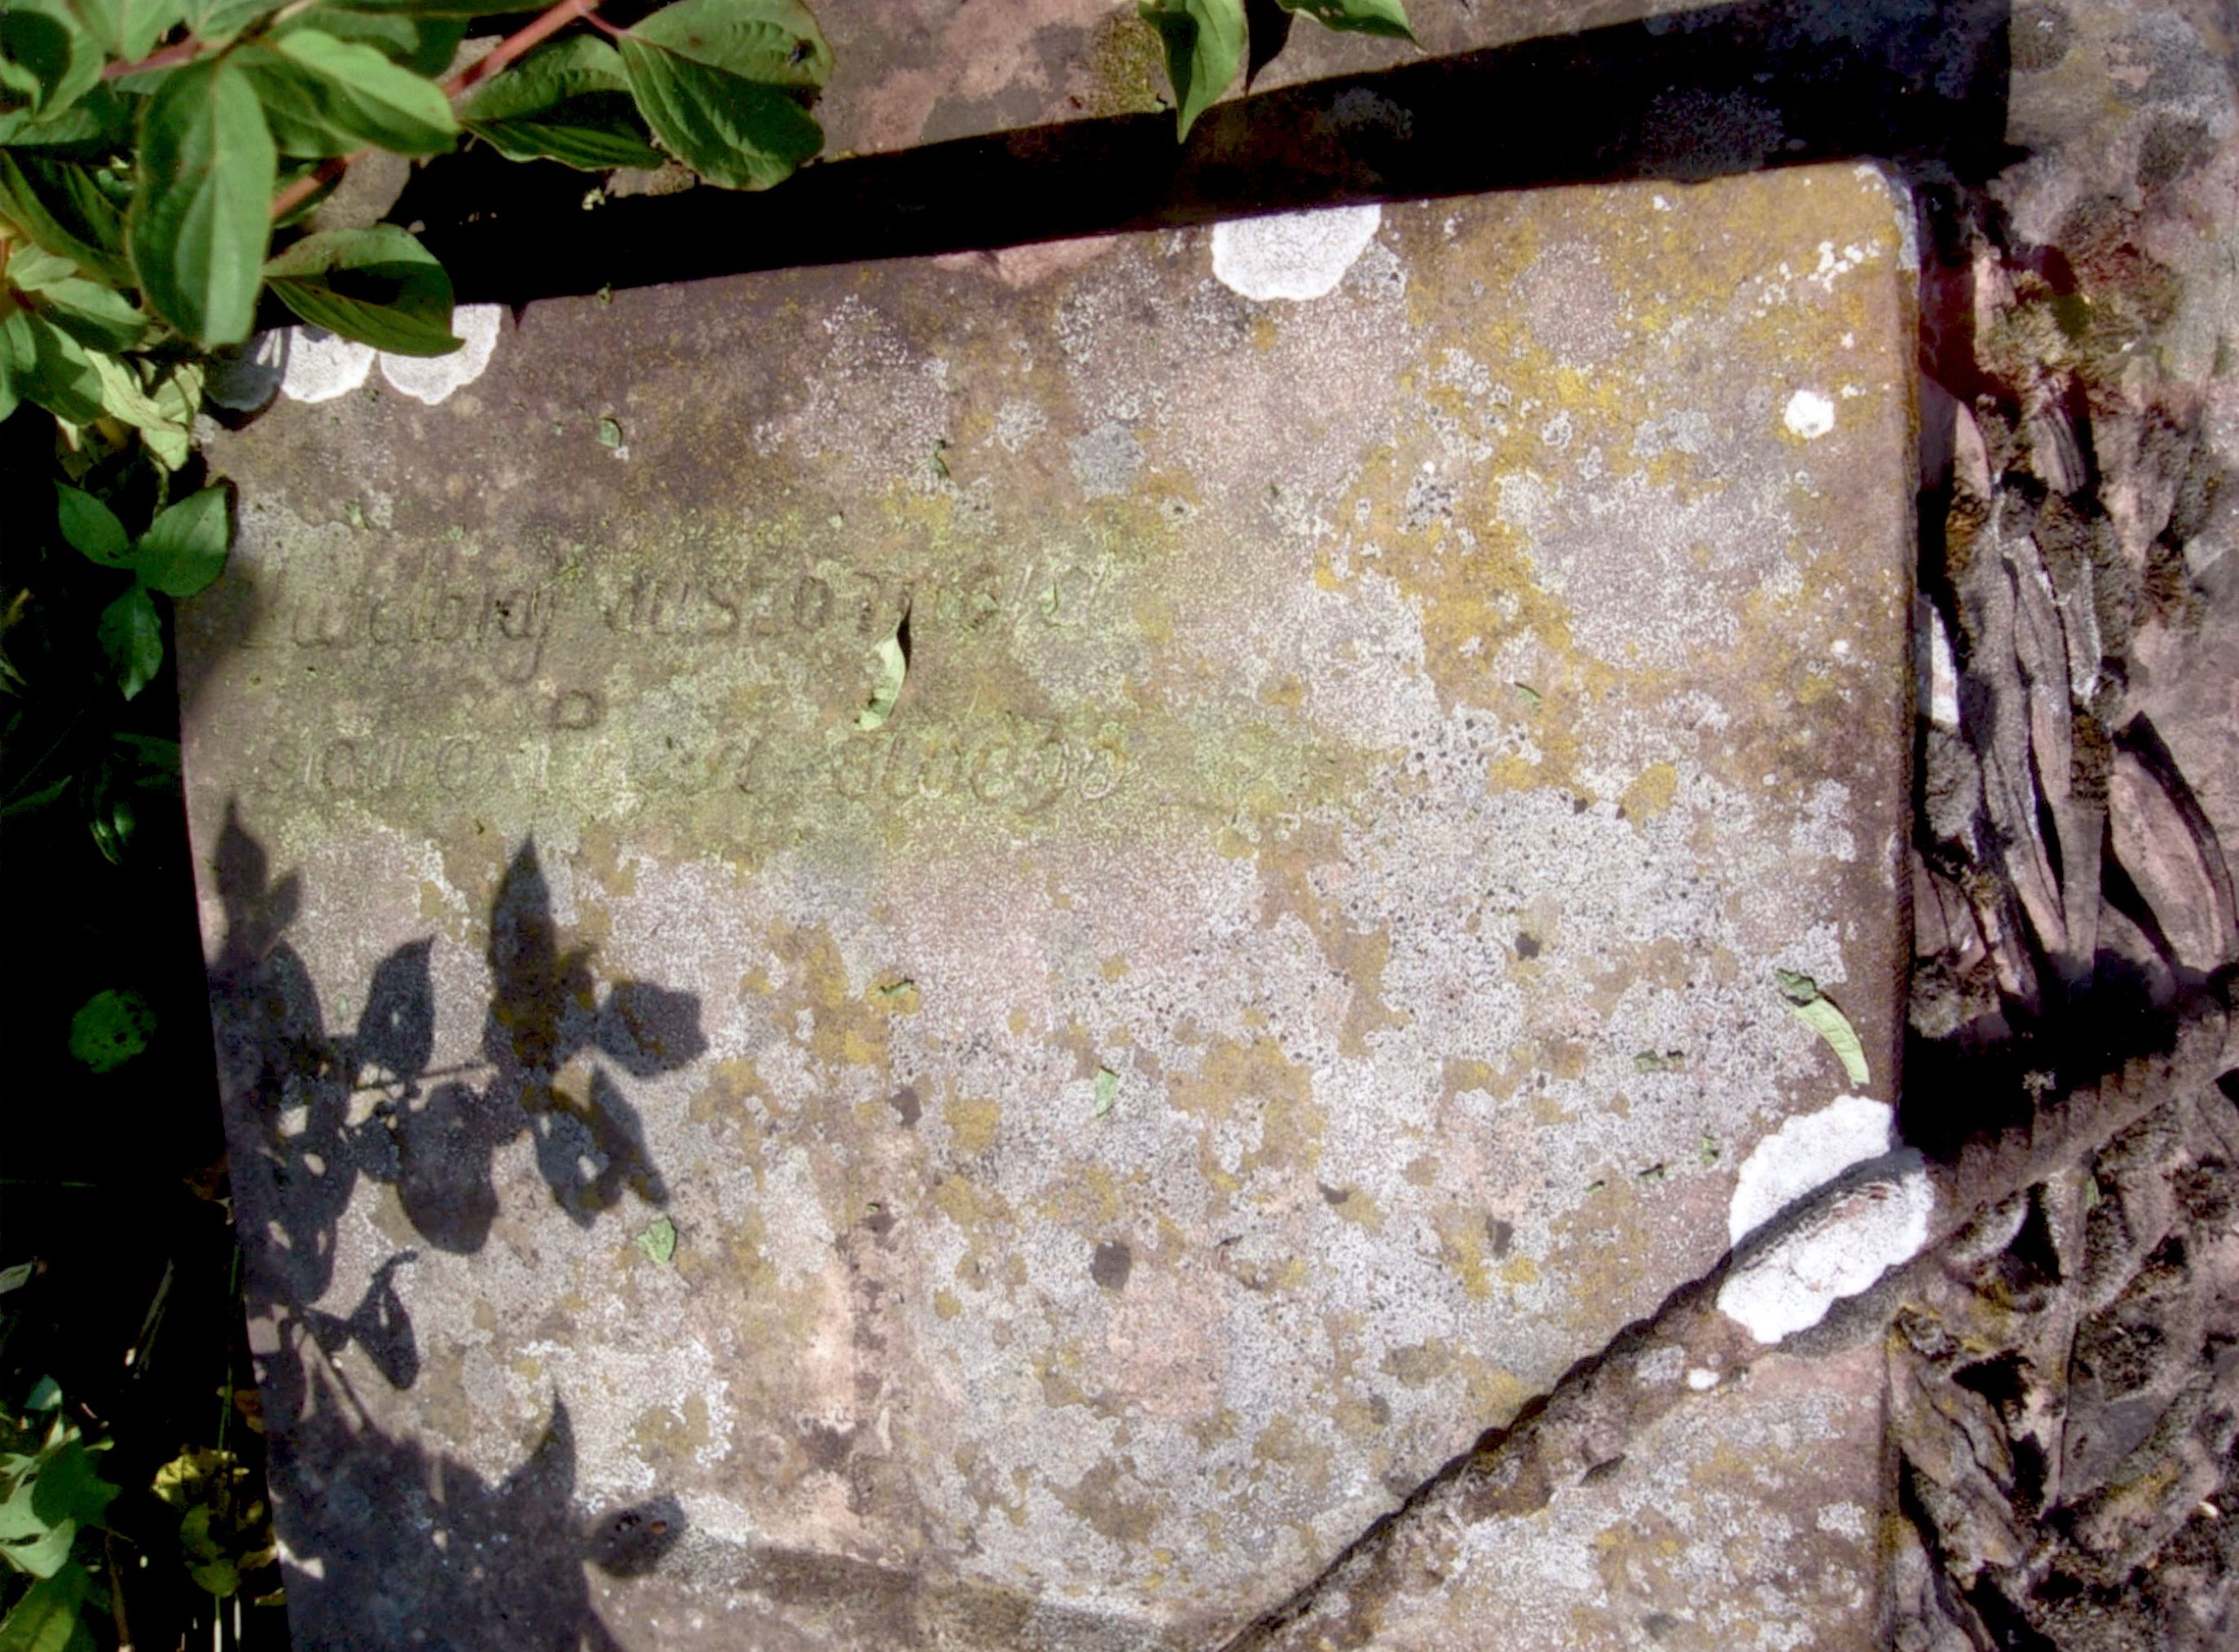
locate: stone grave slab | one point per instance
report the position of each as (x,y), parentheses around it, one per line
(973,951)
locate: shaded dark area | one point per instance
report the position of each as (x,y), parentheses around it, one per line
(410,1547)
(389,1537)
(112,1184)
(1708,93)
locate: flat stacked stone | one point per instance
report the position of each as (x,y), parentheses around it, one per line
(974,951)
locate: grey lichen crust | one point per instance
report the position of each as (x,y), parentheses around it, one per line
(1290,972)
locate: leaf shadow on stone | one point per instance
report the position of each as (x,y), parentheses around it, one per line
(327,1107)
(402,1545)
(387,1539)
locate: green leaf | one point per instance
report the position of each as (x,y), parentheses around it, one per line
(325,96)
(184,548)
(92,314)
(128,29)
(886,687)
(132,637)
(1809,1005)
(47,59)
(1108,1090)
(723,84)
(16,1277)
(46,1395)
(659,1240)
(52,370)
(446,8)
(215,22)
(198,228)
(378,285)
(175,396)
(1387,17)
(47,1619)
(220,1576)
(69,1489)
(56,205)
(91,528)
(1205,48)
(28,1542)
(569,100)
(423,44)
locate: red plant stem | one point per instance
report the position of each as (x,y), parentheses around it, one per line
(182,51)
(547,23)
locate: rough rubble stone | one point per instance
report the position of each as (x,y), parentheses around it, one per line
(1046,1158)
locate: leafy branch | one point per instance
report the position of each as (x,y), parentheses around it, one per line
(1206,40)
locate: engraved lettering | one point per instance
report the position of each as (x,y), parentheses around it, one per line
(812,603)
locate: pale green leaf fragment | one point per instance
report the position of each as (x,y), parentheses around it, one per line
(886,687)
(659,1241)
(1204,42)
(1532,697)
(109,1029)
(1386,18)
(199,224)
(46,1395)
(1108,1090)
(1808,1005)
(16,1278)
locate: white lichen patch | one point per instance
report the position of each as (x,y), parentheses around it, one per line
(1808,415)
(434,379)
(317,366)
(1807,1152)
(1839,1252)
(1293,254)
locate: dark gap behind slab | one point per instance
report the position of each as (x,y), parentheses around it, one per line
(1706,94)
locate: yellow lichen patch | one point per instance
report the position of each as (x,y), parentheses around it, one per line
(972,1124)
(1286,1446)
(945,1303)
(1462,1246)
(1651,791)
(1086,1199)
(1520,1270)
(1255,1082)
(663,1431)
(1420,1364)
(968,1203)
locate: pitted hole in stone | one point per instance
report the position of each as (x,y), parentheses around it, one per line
(1500,1235)
(578,708)
(907,1105)
(1111,1264)
(1527,944)
(1601,1471)
(825,1446)
(1333,1196)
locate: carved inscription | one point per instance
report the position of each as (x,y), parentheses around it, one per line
(792,636)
